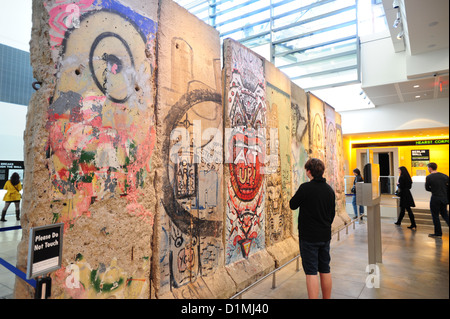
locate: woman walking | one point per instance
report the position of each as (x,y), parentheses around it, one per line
(13,188)
(358,179)
(406,200)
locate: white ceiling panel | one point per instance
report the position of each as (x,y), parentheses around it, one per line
(426,27)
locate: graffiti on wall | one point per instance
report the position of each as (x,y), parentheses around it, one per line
(82,281)
(100,120)
(316,127)
(101,125)
(191,245)
(278,189)
(245,146)
(340,171)
(299,143)
(101,130)
(330,147)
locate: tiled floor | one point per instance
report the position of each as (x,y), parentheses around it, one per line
(414,266)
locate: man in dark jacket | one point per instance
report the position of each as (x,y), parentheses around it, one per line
(437,184)
(316,200)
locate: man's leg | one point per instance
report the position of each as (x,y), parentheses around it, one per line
(308,252)
(326,285)
(435,208)
(324,269)
(312,285)
(443,210)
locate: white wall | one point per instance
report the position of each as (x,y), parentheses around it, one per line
(380,64)
(15,23)
(427,63)
(15,31)
(12,126)
(401,116)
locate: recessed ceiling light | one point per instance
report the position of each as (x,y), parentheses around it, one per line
(417,96)
(417,85)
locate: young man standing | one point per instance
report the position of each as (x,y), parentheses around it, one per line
(437,184)
(316,200)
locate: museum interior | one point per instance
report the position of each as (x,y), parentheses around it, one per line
(158,144)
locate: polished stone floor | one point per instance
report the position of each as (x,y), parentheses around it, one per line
(8,251)
(414,266)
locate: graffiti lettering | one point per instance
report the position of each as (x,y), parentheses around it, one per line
(246,111)
(73,19)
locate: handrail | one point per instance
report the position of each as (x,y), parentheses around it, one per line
(273,272)
(262,278)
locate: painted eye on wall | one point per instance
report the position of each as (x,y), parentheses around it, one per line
(178,241)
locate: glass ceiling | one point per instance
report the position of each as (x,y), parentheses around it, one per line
(314,42)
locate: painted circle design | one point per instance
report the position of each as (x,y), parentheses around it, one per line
(112,67)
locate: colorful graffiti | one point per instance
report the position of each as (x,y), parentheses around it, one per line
(330,147)
(317,128)
(246,116)
(340,172)
(172,192)
(101,136)
(100,121)
(326,143)
(278,189)
(110,281)
(299,142)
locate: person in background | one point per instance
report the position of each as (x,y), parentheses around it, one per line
(316,200)
(437,184)
(358,178)
(406,200)
(13,188)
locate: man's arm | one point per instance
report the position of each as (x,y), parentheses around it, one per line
(333,207)
(427,184)
(297,199)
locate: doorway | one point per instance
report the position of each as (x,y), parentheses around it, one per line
(388,159)
(384,160)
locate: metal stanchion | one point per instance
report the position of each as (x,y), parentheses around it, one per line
(274,280)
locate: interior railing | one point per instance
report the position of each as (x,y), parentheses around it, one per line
(296,258)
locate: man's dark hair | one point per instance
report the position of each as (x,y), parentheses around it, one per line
(432,165)
(315,166)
